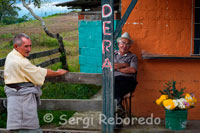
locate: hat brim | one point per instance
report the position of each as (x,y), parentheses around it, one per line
(119,38)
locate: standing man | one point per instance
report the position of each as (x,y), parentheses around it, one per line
(22,86)
(125,65)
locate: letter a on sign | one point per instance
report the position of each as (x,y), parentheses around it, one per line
(107,64)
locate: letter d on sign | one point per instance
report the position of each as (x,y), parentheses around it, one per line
(104,14)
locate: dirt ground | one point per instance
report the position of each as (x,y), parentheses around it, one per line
(56,24)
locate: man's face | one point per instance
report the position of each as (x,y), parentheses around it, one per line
(25,48)
(124,45)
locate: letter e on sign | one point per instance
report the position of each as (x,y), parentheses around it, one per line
(106,28)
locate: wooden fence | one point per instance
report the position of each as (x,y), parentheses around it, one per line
(70,104)
(39,55)
(71,77)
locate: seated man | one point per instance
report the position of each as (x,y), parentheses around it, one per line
(125,65)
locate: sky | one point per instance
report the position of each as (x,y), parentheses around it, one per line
(46,9)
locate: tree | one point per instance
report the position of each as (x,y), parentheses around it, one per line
(57,36)
(8,11)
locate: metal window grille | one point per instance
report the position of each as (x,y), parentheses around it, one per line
(196,26)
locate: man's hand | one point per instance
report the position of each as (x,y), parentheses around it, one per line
(51,73)
(62,71)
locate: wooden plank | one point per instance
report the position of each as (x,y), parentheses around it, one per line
(43,53)
(2,130)
(74,77)
(71,104)
(1,77)
(68,104)
(77,77)
(1,74)
(107,64)
(170,57)
(2,61)
(70,131)
(124,18)
(49,62)
(1,104)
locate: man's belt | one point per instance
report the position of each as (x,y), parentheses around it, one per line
(18,86)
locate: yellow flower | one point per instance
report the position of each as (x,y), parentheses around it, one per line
(194,99)
(170,104)
(161,99)
(190,99)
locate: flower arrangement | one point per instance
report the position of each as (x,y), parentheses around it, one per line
(173,99)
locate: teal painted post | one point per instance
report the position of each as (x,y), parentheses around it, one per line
(107,66)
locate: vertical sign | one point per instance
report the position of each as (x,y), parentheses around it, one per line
(107,65)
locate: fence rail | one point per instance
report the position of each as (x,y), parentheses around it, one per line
(43,53)
(59,131)
(49,62)
(70,104)
(2,61)
(66,104)
(39,55)
(73,77)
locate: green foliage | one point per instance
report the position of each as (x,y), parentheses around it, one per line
(8,11)
(9,14)
(2,93)
(43,40)
(24,18)
(53,15)
(37,3)
(55,66)
(6,36)
(171,91)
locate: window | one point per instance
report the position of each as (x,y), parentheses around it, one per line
(196,16)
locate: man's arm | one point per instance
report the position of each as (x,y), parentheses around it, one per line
(51,73)
(127,70)
(120,65)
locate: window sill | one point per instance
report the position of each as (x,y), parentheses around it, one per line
(151,56)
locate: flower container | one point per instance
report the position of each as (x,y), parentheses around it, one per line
(176,106)
(175,119)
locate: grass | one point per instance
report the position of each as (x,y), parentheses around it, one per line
(67,26)
(6,36)
(43,40)
(68,91)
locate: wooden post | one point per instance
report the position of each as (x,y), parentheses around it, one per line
(63,52)
(107,66)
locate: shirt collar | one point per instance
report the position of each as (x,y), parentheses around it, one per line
(122,55)
(17,53)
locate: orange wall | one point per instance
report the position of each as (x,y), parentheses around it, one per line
(162,27)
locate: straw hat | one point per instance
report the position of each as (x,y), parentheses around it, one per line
(125,35)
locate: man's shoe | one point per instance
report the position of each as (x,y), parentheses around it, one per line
(121,112)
